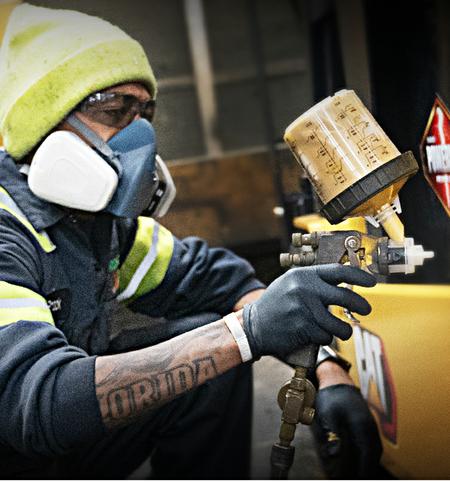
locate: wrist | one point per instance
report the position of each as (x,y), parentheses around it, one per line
(249,297)
(240,317)
(330,373)
(234,322)
(326,353)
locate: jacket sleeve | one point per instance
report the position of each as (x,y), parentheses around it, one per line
(48,403)
(163,276)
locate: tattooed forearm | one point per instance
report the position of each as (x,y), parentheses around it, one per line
(131,384)
(133,398)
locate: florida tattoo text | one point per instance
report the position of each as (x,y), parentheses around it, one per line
(132,384)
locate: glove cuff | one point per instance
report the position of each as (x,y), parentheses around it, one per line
(247,314)
(328,354)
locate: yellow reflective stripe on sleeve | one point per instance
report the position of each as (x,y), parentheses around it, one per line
(147,262)
(7,204)
(18,303)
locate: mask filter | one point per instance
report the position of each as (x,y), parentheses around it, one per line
(66,171)
(164,193)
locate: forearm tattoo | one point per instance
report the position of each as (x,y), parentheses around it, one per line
(131,384)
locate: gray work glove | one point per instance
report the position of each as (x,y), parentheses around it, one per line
(293,311)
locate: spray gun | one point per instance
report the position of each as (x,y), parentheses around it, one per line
(355,170)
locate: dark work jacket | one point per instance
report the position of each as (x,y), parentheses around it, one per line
(48,404)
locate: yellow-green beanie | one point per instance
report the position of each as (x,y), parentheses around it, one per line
(50,60)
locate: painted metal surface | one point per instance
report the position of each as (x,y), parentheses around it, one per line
(400,360)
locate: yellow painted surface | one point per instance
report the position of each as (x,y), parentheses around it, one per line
(372,206)
(412,322)
(394,228)
(316,222)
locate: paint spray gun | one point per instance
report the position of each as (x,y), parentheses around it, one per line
(355,170)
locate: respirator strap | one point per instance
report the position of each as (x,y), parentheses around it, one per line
(96,141)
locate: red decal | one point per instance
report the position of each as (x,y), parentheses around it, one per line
(435,152)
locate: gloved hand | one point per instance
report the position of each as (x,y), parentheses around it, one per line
(349,443)
(293,310)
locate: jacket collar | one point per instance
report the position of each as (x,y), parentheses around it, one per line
(40,213)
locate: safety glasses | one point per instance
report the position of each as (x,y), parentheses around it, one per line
(116,110)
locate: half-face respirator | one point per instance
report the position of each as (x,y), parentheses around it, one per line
(124,176)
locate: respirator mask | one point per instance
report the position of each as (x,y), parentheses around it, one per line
(123,176)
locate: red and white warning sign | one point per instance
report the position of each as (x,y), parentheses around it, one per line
(435,152)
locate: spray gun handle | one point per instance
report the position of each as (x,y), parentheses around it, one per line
(305,357)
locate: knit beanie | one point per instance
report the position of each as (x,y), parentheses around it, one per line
(50,60)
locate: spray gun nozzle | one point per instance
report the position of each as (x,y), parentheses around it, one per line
(404,257)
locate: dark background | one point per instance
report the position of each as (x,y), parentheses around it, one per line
(269,62)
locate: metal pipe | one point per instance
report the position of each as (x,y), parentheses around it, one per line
(264,95)
(204,83)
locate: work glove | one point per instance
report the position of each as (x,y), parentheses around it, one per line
(293,311)
(349,443)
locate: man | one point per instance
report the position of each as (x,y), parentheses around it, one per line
(79,169)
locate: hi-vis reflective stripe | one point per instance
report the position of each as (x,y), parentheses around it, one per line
(7,204)
(148,260)
(18,303)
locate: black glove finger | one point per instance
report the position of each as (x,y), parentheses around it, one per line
(317,336)
(368,447)
(346,298)
(328,425)
(367,463)
(338,273)
(364,439)
(331,442)
(342,409)
(330,439)
(331,324)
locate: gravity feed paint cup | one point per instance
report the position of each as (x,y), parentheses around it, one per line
(353,166)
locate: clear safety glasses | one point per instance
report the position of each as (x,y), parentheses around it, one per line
(116,110)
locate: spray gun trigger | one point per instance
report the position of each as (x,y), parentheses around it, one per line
(352,245)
